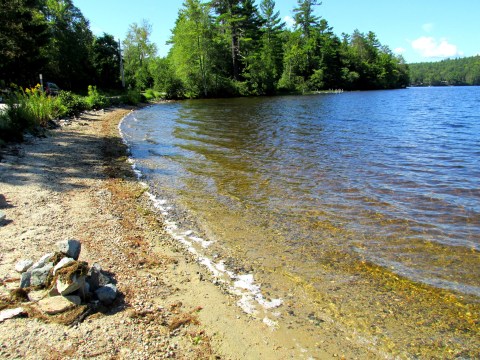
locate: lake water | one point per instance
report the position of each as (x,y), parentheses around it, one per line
(301,182)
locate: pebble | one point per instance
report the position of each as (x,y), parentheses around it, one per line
(107,294)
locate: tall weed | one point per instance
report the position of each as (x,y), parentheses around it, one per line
(95,100)
(27,109)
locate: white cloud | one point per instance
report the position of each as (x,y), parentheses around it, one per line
(427,27)
(399,50)
(429,47)
(289,21)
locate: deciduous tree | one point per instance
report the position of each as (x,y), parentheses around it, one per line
(138,51)
(106,61)
(69,49)
(23,33)
(193,50)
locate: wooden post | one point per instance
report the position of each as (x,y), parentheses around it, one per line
(122,74)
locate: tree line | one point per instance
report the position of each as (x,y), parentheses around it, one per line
(218,48)
(234,47)
(53,38)
(463,71)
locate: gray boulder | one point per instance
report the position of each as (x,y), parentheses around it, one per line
(42,262)
(96,278)
(23,265)
(70,247)
(58,304)
(107,294)
(2,217)
(39,275)
(65,287)
(25,280)
(62,263)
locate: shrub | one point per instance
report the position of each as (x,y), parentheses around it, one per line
(74,104)
(95,100)
(27,109)
(133,97)
(241,88)
(151,94)
(8,130)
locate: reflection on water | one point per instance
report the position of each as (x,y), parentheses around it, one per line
(389,176)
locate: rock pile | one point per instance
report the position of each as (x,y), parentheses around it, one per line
(58,282)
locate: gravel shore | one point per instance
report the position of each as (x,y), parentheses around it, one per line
(75,183)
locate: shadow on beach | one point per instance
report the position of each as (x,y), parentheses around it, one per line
(63,159)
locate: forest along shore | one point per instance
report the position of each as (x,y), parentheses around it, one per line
(76,184)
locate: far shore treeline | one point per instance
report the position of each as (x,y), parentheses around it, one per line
(450,72)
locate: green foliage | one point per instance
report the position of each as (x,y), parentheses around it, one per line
(138,53)
(133,97)
(24,33)
(53,38)
(69,51)
(464,71)
(34,107)
(151,94)
(72,103)
(95,100)
(26,110)
(219,48)
(9,130)
(165,80)
(106,62)
(370,65)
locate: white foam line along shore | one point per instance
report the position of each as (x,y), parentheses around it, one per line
(241,285)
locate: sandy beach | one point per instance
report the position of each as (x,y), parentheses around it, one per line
(75,183)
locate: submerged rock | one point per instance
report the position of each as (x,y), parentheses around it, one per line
(70,247)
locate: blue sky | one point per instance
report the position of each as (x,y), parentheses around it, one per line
(421,30)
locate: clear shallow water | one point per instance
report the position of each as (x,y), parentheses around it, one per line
(392,177)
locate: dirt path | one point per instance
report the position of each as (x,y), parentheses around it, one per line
(75,183)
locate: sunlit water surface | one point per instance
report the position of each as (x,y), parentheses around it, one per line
(392,177)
